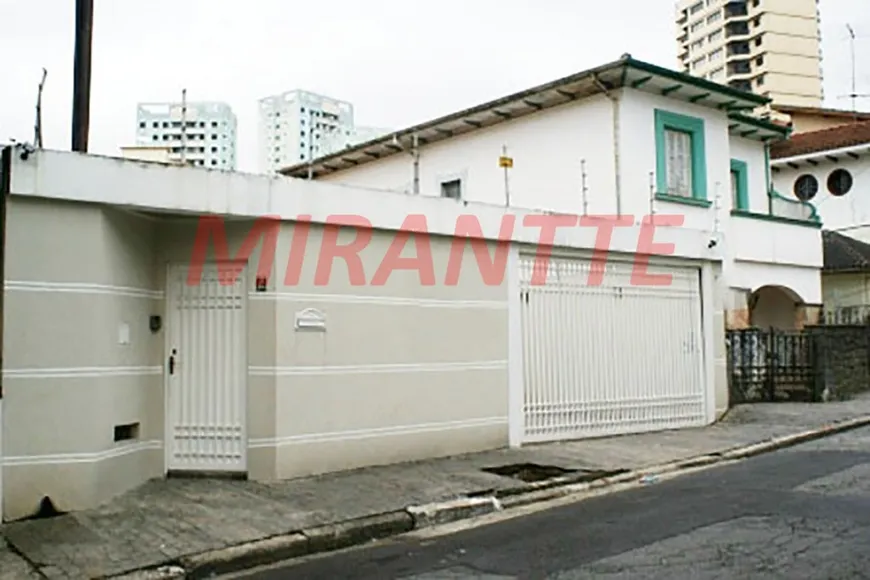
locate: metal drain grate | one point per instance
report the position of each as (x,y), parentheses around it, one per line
(532,472)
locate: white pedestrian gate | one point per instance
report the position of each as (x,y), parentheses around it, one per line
(610,359)
(206,370)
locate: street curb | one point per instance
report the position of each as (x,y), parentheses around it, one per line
(331,537)
(796,438)
(436,514)
(251,555)
(306,542)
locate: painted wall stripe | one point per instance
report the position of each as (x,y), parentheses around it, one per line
(378,368)
(81,288)
(106,289)
(84,372)
(97,372)
(93,457)
(354,435)
(385,300)
(378,432)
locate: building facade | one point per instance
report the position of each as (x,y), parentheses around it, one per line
(846,278)
(298,126)
(770,47)
(664,143)
(155,339)
(149,352)
(207,138)
(811,119)
(830,169)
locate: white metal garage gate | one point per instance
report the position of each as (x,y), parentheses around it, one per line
(609,359)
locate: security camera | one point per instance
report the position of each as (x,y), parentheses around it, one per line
(712,244)
(26,150)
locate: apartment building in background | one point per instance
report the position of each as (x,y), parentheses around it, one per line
(209,137)
(298,126)
(768,47)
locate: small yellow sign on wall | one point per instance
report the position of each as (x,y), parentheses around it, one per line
(505,161)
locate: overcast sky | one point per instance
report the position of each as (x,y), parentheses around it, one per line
(398,61)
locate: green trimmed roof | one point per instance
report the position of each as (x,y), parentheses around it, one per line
(754,128)
(627,72)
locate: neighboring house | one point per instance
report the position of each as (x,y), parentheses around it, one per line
(809,119)
(831,169)
(625,138)
(846,277)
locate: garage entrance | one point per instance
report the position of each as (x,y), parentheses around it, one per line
(610,359)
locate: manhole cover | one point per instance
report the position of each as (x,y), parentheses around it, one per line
(529,472)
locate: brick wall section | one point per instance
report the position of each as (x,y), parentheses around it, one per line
(843,359)
(806,315)
(737,319)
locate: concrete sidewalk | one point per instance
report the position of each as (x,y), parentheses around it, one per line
(165,520)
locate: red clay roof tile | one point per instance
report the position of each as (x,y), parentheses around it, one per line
(824,140)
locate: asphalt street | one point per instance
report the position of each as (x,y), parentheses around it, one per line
(801,513)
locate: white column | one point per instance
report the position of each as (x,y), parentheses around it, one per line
(516,384)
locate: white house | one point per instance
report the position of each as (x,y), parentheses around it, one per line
(831,169)
(627,138)
(131,351)
(846,278)
(117,368)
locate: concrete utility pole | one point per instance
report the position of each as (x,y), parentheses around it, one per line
(82,75)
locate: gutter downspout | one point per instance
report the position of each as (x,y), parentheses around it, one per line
(415,155)
(615,102)
(767,184)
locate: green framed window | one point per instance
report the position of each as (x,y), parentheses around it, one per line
(681,164)
(739,185)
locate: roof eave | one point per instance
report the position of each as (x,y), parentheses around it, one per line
(757,129)
(624,73)
(750,100)
(827,154)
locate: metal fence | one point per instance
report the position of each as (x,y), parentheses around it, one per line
(772,365)
(846,315)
